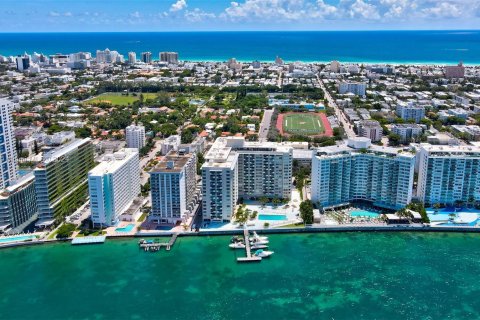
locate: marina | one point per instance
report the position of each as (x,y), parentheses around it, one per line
(257,243)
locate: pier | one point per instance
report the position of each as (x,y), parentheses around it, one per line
(156,246)
(249,257)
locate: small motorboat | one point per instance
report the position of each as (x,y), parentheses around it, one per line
(263,253)
(257,237)
(236,239)
(237,245)
(257,242)
(258,246)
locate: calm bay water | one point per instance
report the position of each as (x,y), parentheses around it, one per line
(317,276)
(346,46)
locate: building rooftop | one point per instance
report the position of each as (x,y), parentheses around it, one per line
(63,150)
(112,162)
(172,162)
(362,145)
(451,150)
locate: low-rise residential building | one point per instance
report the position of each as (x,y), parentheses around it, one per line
(407,131)
(356,88)
(370,129)
(410,111)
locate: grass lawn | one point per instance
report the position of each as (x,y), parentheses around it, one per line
(294,225)
(118,99)
(303,123)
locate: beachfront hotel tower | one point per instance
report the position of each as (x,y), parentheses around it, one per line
(8,154)
(448,175)
(113,185)
(238,169)
(173,184)
(360,171)
(61,180)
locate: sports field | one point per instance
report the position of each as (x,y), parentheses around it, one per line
(118,99)
(303,123)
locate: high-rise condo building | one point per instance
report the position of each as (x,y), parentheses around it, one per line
(23,62)
(132,57)
(18,206)
(146,57)
(8,154)
(236,168)
(113,185)
(173,184)
(360,171)
(135,136)
(107,56)
(61,180)
(448,175)
(169,57)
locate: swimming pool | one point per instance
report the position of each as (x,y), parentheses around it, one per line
(449,213)
(274,217)
(16,239)
(127,228)
(364,213)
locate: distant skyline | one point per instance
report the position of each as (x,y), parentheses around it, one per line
(240,15)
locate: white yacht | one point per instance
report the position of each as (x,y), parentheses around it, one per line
(258,246)
(263,253)
(237,245)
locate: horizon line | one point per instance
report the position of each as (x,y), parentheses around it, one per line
(232,31)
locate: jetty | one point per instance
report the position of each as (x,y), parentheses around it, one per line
(249,257)
(150,245)
(89,240)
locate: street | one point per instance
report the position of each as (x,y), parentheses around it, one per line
(339,113)
(265,125)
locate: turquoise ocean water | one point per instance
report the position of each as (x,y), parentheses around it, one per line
(347,46)
(312,276)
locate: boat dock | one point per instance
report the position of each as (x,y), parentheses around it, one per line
(249,257)
(89,240)
(156,246)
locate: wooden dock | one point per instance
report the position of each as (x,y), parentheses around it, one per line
(249,257)
(155,246)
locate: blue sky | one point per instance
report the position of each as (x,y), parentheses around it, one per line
(220,15)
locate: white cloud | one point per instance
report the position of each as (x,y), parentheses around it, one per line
(68,14)
(364,10)
(53,14)
(443,10)
(179,5)
(135,15)
(290,10)
(197,15)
